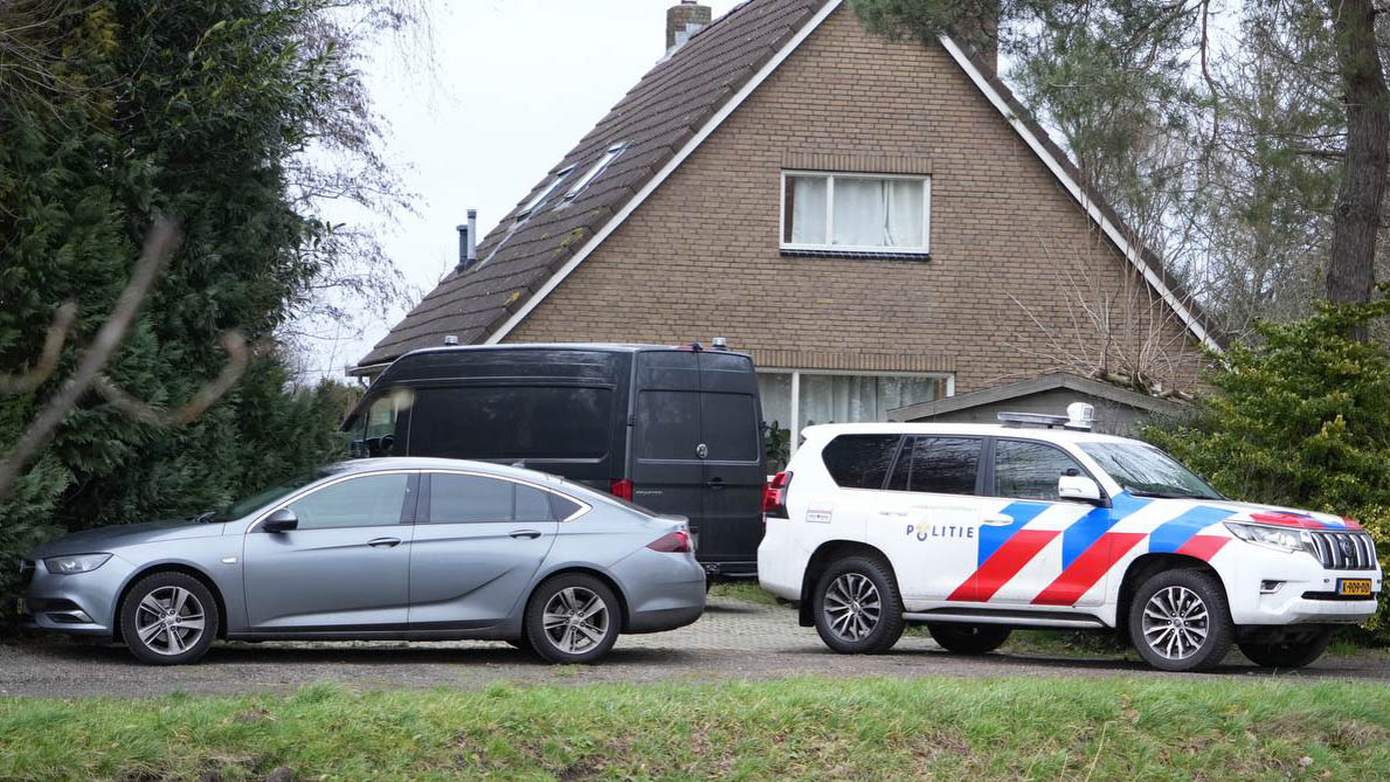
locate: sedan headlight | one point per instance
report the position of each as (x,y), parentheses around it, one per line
(77,563)
(1278,538)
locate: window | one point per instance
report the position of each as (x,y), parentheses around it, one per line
(1144,470)
(372,500)
(794,399)
(729,425)
(378,432)
(544,193)
(598,168)
(860,461)
(512,422)
(1029,471)
(668,424)
(941,465)
(856,213)
(466,499)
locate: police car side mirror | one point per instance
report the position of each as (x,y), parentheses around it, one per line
(1079,487)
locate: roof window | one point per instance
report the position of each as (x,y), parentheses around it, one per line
(544,193)
(598,168)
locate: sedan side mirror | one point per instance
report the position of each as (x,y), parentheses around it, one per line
(282,520)
(1079,487)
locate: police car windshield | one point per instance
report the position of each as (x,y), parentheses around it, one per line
(1145,471)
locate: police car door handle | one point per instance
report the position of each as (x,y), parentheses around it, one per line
(892,513)
(998,520)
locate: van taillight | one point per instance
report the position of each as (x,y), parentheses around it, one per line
(677,542)
(775,495)
(622,489)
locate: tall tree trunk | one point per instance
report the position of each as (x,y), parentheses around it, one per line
(1356,219)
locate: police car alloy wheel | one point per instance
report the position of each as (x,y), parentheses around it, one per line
(1294,651)
(968,639)
(1179,621)
(857,607)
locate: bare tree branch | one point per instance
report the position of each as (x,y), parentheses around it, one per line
(238,356)
(48,359)
(159,246)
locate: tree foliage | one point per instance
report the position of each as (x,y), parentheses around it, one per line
(1300,419)
(236,117)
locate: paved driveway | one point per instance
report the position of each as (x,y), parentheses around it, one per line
(734,639)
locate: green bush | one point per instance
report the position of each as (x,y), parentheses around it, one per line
(1300,417)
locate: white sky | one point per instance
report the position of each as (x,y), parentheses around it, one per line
(515,85)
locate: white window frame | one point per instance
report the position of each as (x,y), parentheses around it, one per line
(795,415)
(593,173)
(830,176)
(544,194)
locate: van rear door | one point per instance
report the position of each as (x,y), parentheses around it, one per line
(667,472)
(734,468)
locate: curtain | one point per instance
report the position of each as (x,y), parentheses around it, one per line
(806,198)
(841,399)
(878,212)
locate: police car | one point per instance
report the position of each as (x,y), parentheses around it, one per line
(1038,522)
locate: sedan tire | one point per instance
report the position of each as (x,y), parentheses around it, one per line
(1295,651)
(573,618)
(169,619)
(968,639)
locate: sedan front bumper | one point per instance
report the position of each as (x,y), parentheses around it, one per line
(79,604)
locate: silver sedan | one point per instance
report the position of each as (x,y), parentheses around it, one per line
(404,548)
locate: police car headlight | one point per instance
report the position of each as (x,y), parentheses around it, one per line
(1278,538)
(79,563)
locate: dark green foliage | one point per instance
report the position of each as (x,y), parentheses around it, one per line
(201,111)
(1301,418)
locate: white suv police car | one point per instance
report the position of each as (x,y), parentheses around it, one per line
(977,529)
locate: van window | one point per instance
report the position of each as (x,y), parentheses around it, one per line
(941,465)
(512,422)
(1029,471)
(378,431)
(463,499)
(668,424)
(730,427)
(860,461)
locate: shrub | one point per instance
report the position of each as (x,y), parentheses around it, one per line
(1300,417)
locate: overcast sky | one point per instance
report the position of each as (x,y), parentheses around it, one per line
(515,85)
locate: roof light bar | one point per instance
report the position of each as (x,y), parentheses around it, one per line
(1080,416)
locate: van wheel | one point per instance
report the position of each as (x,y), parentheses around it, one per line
(968,639)
(1179,621)
(857,607)
(169,619)
(1294,651)
(573,618)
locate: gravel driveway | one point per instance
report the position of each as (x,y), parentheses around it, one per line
(734,639)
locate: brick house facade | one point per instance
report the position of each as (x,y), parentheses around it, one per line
(1018,265)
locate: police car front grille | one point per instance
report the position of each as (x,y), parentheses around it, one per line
(1344,550)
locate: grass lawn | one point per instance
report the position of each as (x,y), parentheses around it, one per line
(1111,728)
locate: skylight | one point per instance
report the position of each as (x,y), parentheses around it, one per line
(544,193)
(589,176)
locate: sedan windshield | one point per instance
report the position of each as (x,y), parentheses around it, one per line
(1145,471)
(264,497)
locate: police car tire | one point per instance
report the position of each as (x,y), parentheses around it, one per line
(1220,630)
(968,639)
(890,624)
(1281,654)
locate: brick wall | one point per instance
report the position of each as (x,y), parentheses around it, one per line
(1013,261)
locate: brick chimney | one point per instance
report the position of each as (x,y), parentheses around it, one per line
(683,21)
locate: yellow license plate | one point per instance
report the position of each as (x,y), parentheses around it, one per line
(1359,587)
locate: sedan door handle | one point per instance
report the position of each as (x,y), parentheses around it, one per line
(1001,520)
(529,534)
(384,542)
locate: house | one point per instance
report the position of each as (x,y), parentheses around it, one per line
(876,221)
(1118,410)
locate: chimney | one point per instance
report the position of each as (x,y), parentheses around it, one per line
(683,21)
(468,242)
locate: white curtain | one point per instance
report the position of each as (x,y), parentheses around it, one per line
(878,212)
(807,208)
(841,399)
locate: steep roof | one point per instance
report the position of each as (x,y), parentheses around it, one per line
(660,122)
(655,119)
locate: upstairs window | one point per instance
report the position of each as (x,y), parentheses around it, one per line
(855,213)
(598,168)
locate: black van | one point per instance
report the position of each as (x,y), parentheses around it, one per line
(673,429)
